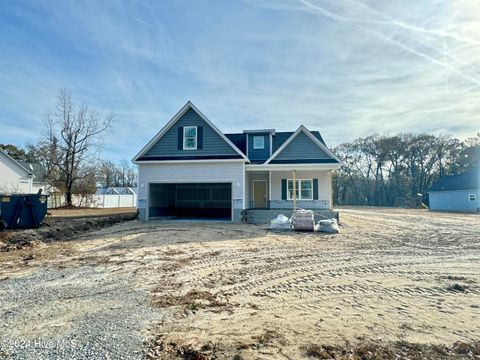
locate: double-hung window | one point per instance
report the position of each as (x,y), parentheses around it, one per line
(190,138)
(303,189)
(472,197)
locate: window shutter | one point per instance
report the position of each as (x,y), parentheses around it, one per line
(315,189)
(199,137)
(284,189)
(180,138)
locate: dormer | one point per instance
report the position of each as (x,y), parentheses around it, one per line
(259,144)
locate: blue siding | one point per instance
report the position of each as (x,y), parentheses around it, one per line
(456,200)
(213,144)
(302,147)
(259,154)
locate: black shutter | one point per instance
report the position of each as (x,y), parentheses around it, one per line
(315,189)
(284,189)
(199,137)
(180,138)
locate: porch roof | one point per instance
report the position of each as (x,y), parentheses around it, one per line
(292,166)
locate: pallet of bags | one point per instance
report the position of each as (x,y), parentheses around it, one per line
(303,220)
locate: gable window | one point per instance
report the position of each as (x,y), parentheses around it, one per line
(258,142)
(472,197)
(190,138)
(303,189)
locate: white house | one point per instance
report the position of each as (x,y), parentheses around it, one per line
(14,177)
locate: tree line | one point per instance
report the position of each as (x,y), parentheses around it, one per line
(398,170)
(69,150)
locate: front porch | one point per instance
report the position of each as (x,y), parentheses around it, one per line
(274,189)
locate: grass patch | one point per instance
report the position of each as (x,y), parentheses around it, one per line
(393,351)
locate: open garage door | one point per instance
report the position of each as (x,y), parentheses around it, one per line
(192,200)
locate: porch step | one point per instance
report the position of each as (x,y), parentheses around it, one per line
(264,216)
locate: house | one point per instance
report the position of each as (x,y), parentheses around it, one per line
(14,177)
(457,192)
(39,177)
(190,168)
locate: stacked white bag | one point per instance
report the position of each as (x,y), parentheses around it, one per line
(328,226)
(281,222)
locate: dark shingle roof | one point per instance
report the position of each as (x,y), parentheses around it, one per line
(240,140)
(466,181)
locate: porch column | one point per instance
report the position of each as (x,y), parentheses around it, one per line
(269,188)
(294,190)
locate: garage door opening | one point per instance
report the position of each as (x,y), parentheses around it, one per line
(193,200)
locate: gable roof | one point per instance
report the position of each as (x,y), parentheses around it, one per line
(316,140)
(37,170)
(467,181)
(240,139)
(120,190)
(16,163)
(177,117)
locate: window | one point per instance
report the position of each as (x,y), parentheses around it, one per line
(303,189)
(190,138)
(472,197)
(258,142)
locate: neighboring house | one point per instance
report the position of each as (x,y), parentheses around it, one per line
(190,168)
(39,177)
(14,177)
(456,193)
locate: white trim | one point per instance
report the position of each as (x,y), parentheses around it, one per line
(311,136)
(271,131)
(246,148)
(196,137)
(253,192)
(174,119)
(29,173)
(244,187)
(269,186)
(271,145)
(273,167)
(263,138)
(300,189)
(146,162)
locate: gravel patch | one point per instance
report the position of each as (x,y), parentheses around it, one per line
(81,312)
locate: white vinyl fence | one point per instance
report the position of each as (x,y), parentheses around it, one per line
(94,200)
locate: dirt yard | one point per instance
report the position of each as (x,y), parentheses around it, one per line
(89,212)
(390,280)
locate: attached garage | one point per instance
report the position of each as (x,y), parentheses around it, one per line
(190,200)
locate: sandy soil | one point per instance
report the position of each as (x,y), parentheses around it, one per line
(238,290)
(88,212)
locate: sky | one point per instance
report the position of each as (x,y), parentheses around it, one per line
(347,68)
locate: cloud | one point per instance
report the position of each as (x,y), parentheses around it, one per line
(347,68)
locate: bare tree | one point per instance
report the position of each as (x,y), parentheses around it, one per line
(107,173)
(72,136)
(395,170)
